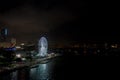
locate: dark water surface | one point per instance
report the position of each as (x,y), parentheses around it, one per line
(68,68)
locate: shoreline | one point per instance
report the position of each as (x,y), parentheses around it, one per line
(18,66)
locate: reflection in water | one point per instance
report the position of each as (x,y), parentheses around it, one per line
(14,75)
(44,66)
(63,68)
(41,72)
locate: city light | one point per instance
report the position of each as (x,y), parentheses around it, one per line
(18,47)
(42,47)
(23,59)
(22,44)
(18,55)
(114,46)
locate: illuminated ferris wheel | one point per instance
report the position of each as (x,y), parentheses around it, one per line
(43,46)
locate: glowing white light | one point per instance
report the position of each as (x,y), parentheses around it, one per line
(22,44)
(6,32)
(43,46)
(23,59)
(18,47)
(18,55)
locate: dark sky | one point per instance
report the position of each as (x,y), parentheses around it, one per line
(59,20)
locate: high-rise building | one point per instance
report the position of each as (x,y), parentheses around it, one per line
(3,33)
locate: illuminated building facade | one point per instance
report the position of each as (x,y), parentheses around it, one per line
(3,33)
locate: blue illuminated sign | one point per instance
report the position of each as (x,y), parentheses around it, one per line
(10,49)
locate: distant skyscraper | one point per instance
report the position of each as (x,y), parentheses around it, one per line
(3,33)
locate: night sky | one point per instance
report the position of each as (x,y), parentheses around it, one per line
(59,20)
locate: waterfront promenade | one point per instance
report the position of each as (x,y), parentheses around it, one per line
(19,65)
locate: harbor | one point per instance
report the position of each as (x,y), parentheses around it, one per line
(20,65)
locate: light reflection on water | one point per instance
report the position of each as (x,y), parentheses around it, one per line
(14,75)
(41,72)
(64,68)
